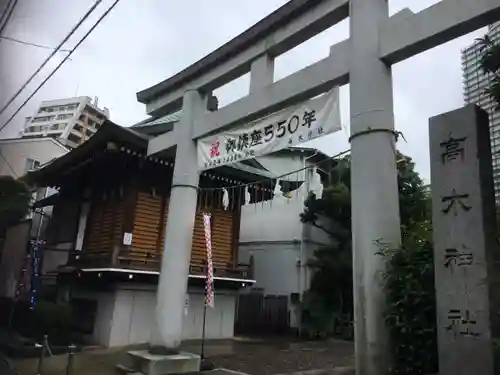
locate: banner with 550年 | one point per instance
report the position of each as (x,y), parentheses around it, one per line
(289,127)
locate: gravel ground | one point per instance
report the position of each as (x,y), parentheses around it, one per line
(266,358)
(254,357)
(6,366)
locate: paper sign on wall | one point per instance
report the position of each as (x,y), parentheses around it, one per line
(127,239)
(186,306)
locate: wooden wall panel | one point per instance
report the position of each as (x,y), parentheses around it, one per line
(106,229)
(222,239)
(149,232)
(106,222)
(147,222)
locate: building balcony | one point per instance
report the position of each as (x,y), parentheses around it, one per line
(126,261)
(41,133)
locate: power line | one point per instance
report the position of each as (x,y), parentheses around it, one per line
(61,63)
(8,164)
(30,44)
(7,14)
(89,12)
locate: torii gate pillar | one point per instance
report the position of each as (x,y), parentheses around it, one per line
(166,334)
(374,188)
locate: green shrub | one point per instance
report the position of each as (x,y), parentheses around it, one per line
(318,319)
(48,318)
(410,313)
(15,200)
(321,320)
(52,319)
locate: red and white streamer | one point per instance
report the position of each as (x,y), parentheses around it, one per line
(209,291)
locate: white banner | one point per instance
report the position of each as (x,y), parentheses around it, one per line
(288,127)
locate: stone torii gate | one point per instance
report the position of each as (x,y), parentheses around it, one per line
(376,42)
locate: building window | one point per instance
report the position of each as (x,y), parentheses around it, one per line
(58,126)
(74,138)
(44,118)
(46,110)
(31,164)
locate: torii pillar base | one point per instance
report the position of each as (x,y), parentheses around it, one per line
(146,363)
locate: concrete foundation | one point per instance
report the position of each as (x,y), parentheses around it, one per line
(124,316)
(146,363)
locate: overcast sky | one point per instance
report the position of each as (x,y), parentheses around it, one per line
(143,42)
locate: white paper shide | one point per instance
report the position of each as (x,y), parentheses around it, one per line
(289,127)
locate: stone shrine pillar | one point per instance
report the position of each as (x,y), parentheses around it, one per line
(465,248)
(374,187)
(172,284)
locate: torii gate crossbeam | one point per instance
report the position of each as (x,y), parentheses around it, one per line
(376,41)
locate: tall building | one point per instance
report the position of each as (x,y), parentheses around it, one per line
(71,121)
(475,82)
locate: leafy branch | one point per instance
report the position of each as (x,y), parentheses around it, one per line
(490,63)
(15,200)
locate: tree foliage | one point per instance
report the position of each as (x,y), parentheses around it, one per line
(331,284)
(414,204)
(490,63)
(15,200)
(328,302)
(410,312)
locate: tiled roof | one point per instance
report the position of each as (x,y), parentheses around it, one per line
(173,117)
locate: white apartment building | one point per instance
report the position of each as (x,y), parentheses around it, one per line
(475,82)
(71,121)
(20,155)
